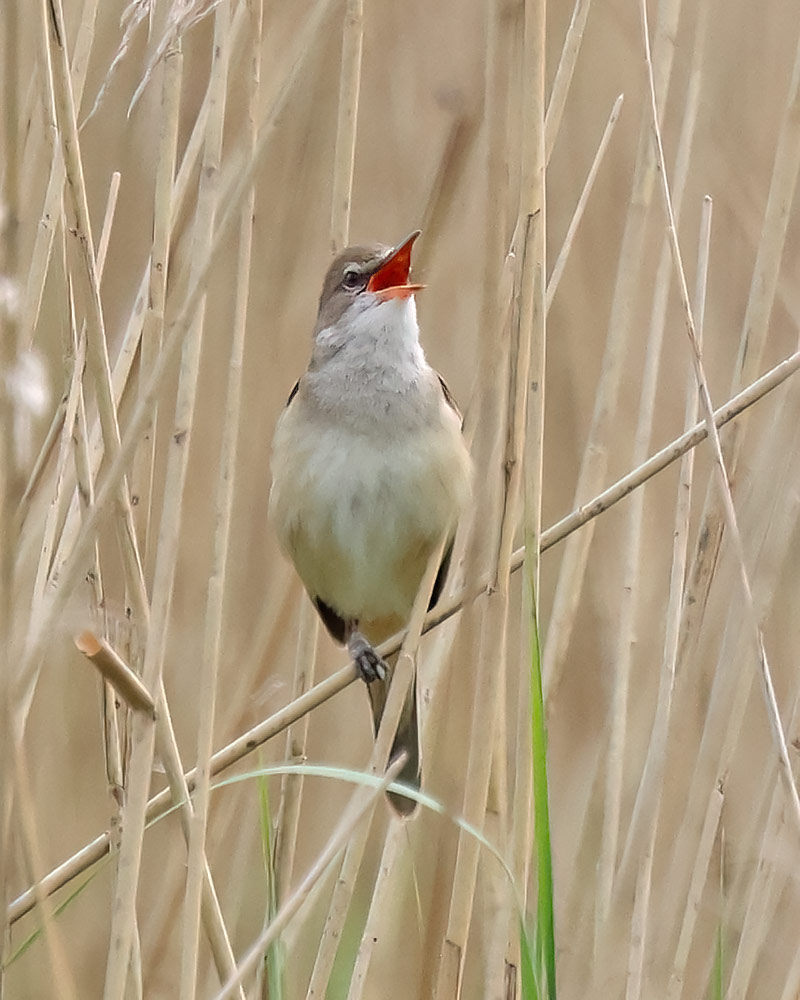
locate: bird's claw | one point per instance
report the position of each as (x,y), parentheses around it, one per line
(370,666)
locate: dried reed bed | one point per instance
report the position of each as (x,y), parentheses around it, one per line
(172,186)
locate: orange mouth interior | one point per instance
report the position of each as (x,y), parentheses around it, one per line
(390,281)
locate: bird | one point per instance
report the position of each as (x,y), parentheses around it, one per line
(370,472)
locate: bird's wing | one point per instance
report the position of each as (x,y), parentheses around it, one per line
(441,576)
(449,398)
(293,393)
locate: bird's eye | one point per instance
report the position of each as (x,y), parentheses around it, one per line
(352,280)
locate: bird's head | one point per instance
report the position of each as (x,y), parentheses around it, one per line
(362,278)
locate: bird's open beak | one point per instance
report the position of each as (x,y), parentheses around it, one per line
(390,281)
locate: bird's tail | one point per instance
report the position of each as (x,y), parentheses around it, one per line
(406,740)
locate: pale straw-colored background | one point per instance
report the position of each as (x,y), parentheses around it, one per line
(422,114)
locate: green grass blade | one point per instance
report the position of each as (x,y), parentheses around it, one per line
(34,936)
(274,958)
(716,986)
(545,925)
(529,980)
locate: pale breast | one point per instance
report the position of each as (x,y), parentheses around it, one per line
(360,514)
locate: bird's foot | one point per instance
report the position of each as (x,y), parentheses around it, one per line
(370,665)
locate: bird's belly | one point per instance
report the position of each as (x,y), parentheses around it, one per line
(362,520)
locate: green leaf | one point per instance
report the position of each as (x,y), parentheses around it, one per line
(545,924)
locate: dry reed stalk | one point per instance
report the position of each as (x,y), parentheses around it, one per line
(638,937)
(197,864)
(765,886)
(45,452)
(165,798)
(494,916)
(791,987)
(40,258)
(383,910)
(697,883)
(74,417)
(629,592)
(346,125)
(108,222)
(194,146)
(524,432)
(30,146)
(159,264)
(753,338)
(10,474)
(767,883)
(224,512)
(782,519)
(731,521)
(339,904)
(61,411)
(595,459)
(288,823)
(491,510)
(643,823)
(69,525)
(580,207)
(112,747)
(525,451)
(287,819)
(116,672)
(724,717)
(210,912)
(85,488)
(563,77)
(713,964)
(56,513)
(490,670)
(731,688)
(63,981)
(648,802)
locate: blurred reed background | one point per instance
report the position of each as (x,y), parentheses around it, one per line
(161,261)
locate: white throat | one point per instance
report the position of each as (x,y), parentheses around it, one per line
(369,369)
(372,338)
(388,329)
